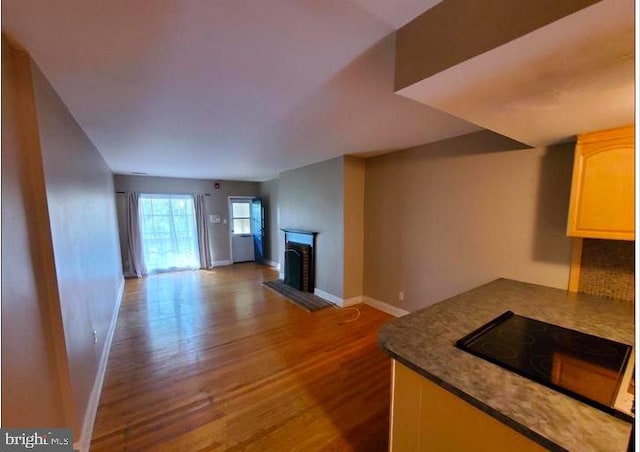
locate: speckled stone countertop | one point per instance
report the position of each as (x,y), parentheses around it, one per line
(424,341)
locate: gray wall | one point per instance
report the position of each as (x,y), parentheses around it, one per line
(217,203)
(443,218)
(311,198)
(84,231)
(272,235)
(60,236)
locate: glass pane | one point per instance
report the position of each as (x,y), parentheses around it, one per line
(161,226)
(146,206)
(241,226)
(180,224)
(240,209)
(161,206)
(190,210)
(169,237)
(179,206)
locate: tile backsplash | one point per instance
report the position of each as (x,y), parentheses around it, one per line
(608,268)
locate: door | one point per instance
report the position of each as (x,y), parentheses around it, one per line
(168,232)
(242,248)
(257,229)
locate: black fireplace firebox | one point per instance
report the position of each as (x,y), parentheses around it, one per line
(299,268)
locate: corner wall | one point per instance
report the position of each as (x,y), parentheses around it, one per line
(312,198)
(35,382)
(354,182)
(446,217)
(272,235)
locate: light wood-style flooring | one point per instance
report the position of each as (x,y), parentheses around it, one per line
(213,360)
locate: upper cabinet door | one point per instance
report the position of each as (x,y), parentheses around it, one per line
(603,189)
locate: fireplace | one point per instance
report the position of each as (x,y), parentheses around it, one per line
(299,259)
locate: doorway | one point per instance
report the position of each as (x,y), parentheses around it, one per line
(168,232)
(246,227)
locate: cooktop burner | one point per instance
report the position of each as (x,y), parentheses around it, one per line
(586,367)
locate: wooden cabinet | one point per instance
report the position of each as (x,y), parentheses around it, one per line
(596,382)
(426,417)
(603,188)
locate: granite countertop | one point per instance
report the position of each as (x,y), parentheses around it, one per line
(424,341)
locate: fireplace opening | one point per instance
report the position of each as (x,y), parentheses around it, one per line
(299,259)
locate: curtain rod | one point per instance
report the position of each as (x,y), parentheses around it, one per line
(124,192)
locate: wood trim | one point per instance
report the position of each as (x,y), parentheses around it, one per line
(391,404)
(576,265)
(607,134)
(576,183)
(628,236)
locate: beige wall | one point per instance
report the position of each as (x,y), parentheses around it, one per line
(446,217)
(35,386)
(272,235)
(82,216)
(217,203)
(457,30)
(354,177)
(311,198)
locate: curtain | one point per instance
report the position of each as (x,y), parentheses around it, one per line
(168,231)
(134,239)
(200,201)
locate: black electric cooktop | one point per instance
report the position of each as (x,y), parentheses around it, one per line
(586,367)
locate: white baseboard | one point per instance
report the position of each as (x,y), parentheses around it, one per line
(329,297)
(342,302)
(84,442)
(221,263)
(351,301)
(384,307)
(273,264)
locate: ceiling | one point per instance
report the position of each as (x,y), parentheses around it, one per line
(228,90)
(573,75)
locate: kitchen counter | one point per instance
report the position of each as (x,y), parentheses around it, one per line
(424,341)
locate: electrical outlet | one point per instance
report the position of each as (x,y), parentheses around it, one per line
(401,296)
(95,337)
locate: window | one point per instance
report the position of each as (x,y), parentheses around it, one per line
(168,229)
(241,217)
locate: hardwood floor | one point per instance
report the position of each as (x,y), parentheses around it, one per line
(213,360)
